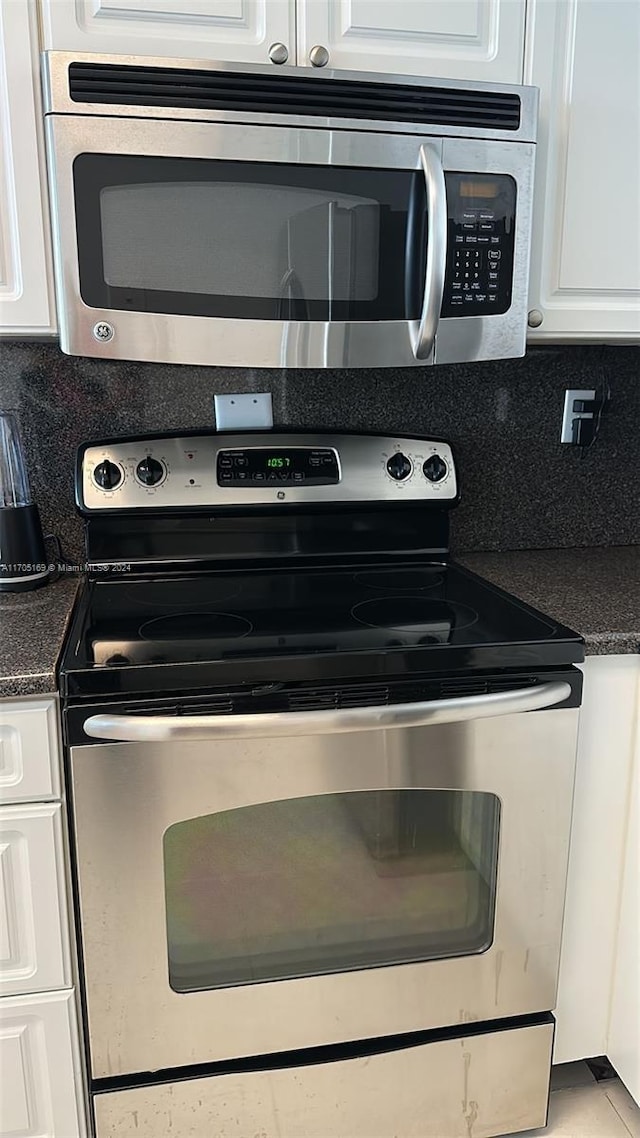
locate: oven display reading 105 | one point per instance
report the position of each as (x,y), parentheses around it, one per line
(262,468)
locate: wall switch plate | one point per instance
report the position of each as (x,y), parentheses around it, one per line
(252,412)
(573,415)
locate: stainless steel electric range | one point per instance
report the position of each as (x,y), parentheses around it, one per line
(321,781)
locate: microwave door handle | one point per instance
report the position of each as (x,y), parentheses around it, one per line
(436,252)
(164,728)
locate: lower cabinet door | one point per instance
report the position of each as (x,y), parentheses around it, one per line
(41,1092)
(34,936)
(479,1085)
(29,759)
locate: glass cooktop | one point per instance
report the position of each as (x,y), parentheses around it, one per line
(314,619)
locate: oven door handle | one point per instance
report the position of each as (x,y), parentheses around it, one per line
(165,728)
(436,252)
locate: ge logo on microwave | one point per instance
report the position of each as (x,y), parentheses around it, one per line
(103,332)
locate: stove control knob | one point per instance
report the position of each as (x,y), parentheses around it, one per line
(434,468)
(399,466)
(150,471)
(107,475)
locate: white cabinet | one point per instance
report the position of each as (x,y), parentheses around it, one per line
(41,1075)
(41,1084)
(623,1047)
(26,282)
(585,272)
(235,30)
(473,39)
(34,947)
(590,940)
(468,39)
(29,759)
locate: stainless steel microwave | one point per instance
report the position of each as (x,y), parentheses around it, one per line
(217,214)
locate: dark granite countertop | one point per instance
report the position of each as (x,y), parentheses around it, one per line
(32,628)
(596,592)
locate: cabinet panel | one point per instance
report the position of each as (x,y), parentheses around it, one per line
(29,762)
(26,282)
(34,944)
(585,266)
(39,1060)
(471,39)
(239,30)
(600,806)
(623,1046)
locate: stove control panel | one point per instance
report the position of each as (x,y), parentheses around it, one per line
(209,471)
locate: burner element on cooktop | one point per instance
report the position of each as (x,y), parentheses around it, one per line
(400,580)
(196,626)
(412,614)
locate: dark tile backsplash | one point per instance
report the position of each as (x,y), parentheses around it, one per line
(521,489)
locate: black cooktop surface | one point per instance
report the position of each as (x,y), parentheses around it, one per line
(168,633)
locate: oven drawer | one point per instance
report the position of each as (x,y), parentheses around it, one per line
(443,1087)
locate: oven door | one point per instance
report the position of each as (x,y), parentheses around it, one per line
(230,244)
(265,883)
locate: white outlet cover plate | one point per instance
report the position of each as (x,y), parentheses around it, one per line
(252,412)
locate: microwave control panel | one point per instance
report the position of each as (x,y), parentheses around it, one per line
(480,243)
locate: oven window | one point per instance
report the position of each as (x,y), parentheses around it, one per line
(249,240)
(330,883)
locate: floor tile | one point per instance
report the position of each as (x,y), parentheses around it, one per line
(581,1112)
(576,1074)
(622,1102)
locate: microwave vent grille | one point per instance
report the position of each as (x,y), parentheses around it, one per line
(186,88)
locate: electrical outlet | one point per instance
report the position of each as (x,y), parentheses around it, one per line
(574,415)
(252,412)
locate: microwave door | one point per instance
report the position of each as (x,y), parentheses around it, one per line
(329,251)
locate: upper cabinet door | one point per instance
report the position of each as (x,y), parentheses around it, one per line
(235,30)
(451,39)
(585,265)
(26,282)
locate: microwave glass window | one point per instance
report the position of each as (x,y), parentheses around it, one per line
(211,233)
(250,240)
(307,886)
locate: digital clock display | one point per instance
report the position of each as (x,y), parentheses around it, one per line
(263,467)
(479,189)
